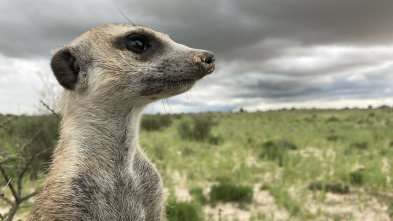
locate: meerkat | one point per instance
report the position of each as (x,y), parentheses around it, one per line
(109,74)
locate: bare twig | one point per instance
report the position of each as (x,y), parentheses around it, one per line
(2,192)
(5,175)
(22,165)
(42,128)
(13,210)
(30,160)
(29,195)
(7,200)
(33,137)
(50,109)
(18,194)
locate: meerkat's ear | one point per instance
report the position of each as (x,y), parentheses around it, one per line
(66,68)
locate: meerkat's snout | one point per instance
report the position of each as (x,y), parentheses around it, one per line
(206,60)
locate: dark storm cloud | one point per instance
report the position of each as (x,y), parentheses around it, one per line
(358,85)
(236,24)
(320,21)
(268,49)
(221,26)
(36,29)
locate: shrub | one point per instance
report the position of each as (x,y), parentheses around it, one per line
(22,129)
(198,129)
(360,145)
(223,179)
(215,140)
(185,130)
(357,177)
(155,122)
(286,144)
(179,211)
(308,119)
(276,151)
(274,154)
(391,144)
(197,194)
(332,138)
(265,187)
(226,192)
(329,187)
(332,119)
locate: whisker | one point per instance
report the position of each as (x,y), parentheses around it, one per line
(121,12)
(163,104)
(169,106)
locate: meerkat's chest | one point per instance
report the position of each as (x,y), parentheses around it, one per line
(120,195)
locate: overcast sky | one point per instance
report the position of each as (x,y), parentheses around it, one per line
(270,53)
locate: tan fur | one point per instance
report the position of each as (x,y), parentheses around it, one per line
(99,171)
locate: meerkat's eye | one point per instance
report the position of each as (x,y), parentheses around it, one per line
(137,43)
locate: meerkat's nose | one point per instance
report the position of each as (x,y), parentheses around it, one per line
(207,59)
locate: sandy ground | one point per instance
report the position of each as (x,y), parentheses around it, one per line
(335,206)
(20,216)
(354,206)
(358,205)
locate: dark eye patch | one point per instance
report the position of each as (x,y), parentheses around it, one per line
(142,43)
(137,43)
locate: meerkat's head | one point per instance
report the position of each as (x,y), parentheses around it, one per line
(128,63)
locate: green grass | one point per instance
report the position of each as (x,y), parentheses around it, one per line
(283,198)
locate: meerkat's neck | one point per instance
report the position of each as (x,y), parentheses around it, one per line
(94,138)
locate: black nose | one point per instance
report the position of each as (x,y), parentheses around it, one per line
(207,59)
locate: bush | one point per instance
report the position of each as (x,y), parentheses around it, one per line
(197,194)
(332,138)
(329,187)
(357,177)
(155,122)
(332,119)
(276,151)
(360,145)
(22,129)
(198,129)
(179,211)
(227,192)
(286,144)
(215,140)
(223,179)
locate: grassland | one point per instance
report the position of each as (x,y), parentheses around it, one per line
(276,165)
